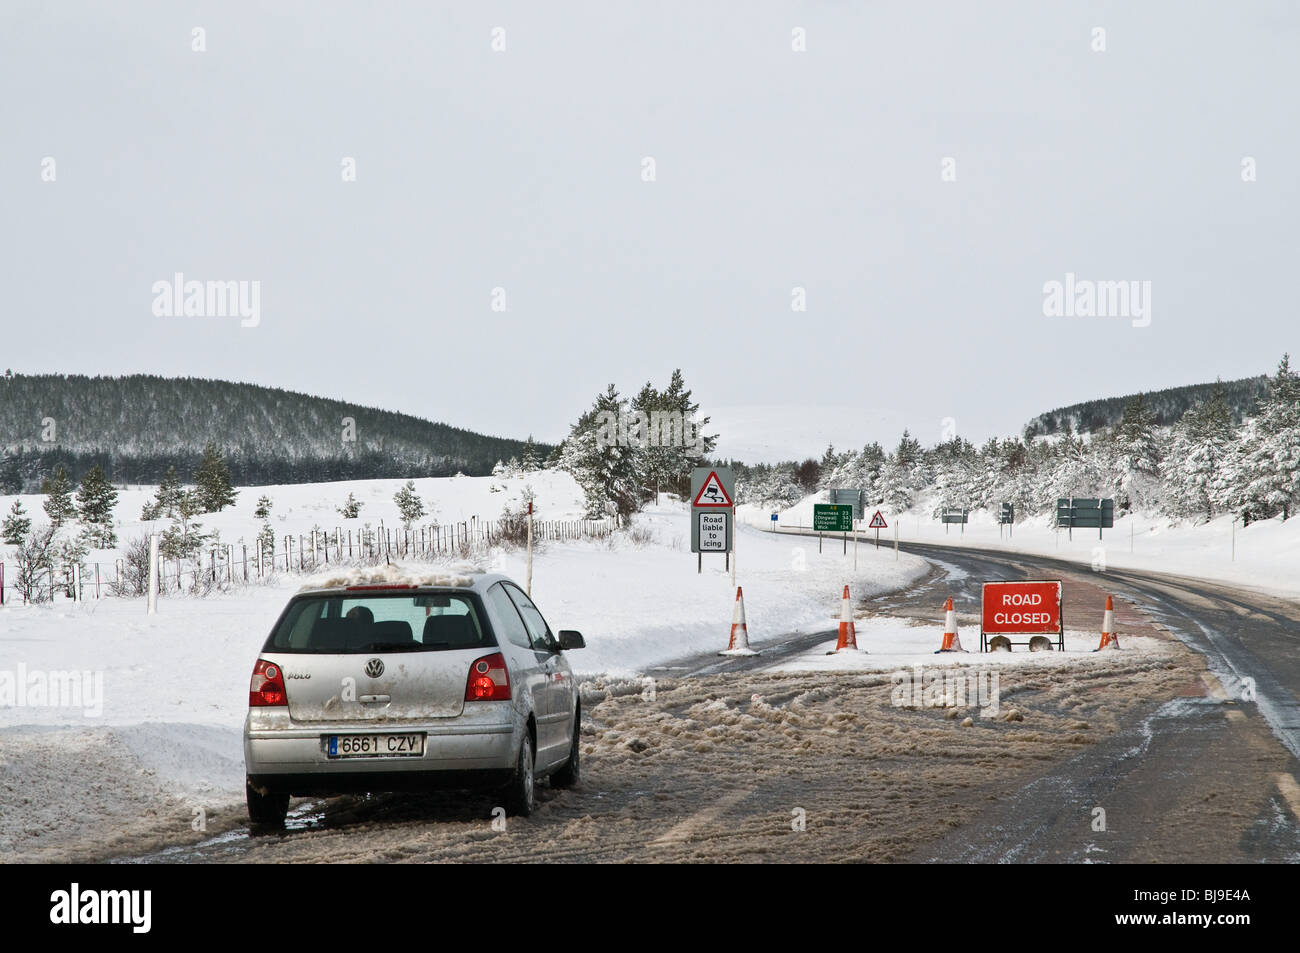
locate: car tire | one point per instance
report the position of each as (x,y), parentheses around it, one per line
(266,810)
(568,775)
(521,796)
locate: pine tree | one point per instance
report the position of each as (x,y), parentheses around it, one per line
(695,444)
(604,466)
(169,494)
(58,504)
(1198,458)
(69,556)
(909,451)
(409,505)
(350,509)
(529,461)
(659,447)
(11,477)
(95,502)
(16,525)
(212,481)
(266,540)
(1136,456)
(263,510)
(185,538)
(1269,475)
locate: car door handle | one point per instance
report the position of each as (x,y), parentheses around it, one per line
(374,699)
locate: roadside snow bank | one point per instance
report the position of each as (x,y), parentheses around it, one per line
(165,738)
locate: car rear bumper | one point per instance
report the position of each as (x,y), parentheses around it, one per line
(294,758)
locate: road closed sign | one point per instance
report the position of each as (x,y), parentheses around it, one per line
(1022,608)
(713,532)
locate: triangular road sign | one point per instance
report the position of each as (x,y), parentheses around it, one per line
(877,522)
(712,493)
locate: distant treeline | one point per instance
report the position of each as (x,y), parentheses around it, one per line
(1167,407)
(137,426)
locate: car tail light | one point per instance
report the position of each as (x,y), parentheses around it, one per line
(488,680)
(266,688)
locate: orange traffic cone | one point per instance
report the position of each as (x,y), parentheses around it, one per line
(848,635)
(1109,640)
(739,644)
(951,641)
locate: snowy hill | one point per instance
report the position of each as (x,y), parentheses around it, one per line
(1167,406)
(137,426)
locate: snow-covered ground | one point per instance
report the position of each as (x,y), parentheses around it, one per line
(160,716)
(298,508)
(161,711)
(1266,553)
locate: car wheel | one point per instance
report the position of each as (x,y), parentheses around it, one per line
(567,776)
(522,795)
(266,810)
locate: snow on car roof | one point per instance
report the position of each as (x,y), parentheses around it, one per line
(458,576)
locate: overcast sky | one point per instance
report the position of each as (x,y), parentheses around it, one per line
(774,169)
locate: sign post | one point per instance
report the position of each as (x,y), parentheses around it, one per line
(528,576)
(151,600)
(1022,608)
(713,514)
(878,523)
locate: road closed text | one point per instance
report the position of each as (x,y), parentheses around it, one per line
(1022,607)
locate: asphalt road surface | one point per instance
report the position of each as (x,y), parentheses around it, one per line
(1187,760)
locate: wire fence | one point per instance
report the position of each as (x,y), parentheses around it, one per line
(226,564)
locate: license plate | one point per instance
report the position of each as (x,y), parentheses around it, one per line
(374,746)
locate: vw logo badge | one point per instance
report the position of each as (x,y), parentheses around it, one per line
(375,667)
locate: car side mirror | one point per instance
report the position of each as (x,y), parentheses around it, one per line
(570,639)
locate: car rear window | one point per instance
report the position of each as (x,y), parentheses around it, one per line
(364,622)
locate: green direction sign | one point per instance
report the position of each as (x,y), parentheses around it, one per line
(832,518)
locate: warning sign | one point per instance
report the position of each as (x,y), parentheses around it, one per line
(713,532)
(1022,607)
(712,493)
(877,522)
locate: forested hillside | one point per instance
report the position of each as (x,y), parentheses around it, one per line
(1190,453)
(136,426)
(1167,407)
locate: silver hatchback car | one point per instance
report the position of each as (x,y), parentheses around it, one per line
(397,687)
